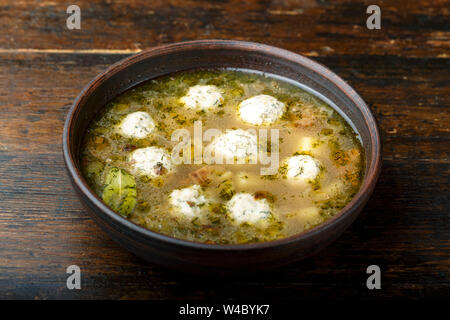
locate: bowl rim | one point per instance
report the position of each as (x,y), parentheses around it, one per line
(366,188)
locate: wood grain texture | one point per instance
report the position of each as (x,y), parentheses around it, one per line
(401,71)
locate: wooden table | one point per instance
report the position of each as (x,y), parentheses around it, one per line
(402,71)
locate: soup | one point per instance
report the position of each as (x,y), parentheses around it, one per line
(223,157)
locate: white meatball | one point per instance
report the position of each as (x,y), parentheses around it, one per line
(243,207)
(137,125)
(237,143)
(151,161)
(202,98)
(262,109)
(187,201)
(302,168)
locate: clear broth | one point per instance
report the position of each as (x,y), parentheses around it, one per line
(309,126)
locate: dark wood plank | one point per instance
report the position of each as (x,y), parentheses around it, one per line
(401,71)
(409,28)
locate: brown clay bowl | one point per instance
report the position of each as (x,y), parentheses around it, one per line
(210,258)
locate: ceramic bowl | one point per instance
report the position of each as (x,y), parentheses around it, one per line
(195,257)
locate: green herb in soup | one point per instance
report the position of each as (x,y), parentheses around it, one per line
(278,162)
